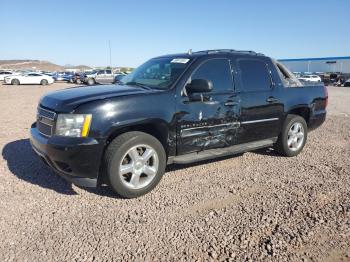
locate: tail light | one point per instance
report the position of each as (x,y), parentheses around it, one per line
(326,95)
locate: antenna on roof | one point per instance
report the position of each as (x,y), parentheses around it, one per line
(190,51)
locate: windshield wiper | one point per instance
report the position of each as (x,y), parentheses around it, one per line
(133,83)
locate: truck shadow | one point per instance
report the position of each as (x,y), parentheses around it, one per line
(26,165)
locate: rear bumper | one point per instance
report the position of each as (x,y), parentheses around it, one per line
(75,159)
(317,120)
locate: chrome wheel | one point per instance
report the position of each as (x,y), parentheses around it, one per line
(296,136)
(139,166)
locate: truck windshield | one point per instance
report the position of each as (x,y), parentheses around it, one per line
(157,73)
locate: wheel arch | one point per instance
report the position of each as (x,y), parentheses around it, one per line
(303,111)
(156,128)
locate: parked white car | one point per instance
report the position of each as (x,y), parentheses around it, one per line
(3,74)
(30,78)
(310,78)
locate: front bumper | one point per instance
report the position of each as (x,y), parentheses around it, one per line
(75,159)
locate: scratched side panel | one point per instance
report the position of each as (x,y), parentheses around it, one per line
(206,125)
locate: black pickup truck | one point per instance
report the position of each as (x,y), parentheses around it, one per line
(177,108)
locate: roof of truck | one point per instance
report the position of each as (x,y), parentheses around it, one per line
(190,54)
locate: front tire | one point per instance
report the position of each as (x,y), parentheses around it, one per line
(15,82)
(43,82)
(293,136)
(91,81)
(134,163)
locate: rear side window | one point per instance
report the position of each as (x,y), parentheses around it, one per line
(287,77)
(217,71)
(254,75)
(108,72)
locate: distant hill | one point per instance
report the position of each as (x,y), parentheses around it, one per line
(4,62)
(29,65)
(79,67)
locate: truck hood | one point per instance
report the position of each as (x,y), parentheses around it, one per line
(67,100)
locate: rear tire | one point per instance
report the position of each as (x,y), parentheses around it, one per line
(134,164)
(15,82)
(43,82)
(78,81)
(293,137)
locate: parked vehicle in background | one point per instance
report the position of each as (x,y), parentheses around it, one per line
(4,74)
(118,78)
(63,76)
(45,73)
(59,76)
(68,77)
(178,108)
(100,77)
(310,78)
(333,78)
(78,78)
(347,83)
(31,78)
(89,78)
(297,74)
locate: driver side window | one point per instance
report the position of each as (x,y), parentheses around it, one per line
(218,71)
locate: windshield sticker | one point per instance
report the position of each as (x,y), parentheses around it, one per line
(180,60)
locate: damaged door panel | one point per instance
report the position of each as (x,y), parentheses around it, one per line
(208,120)
(217,127)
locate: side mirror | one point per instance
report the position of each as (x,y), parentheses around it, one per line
(199,86)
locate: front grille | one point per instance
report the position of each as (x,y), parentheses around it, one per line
(46,113)
(45,121)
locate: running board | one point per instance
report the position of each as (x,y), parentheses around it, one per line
(220,152)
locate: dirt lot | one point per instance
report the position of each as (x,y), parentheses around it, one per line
(258,206)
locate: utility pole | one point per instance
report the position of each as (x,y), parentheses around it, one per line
(110,54)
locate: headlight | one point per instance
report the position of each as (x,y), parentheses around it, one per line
(73,125)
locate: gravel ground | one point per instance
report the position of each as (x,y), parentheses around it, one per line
(258,206)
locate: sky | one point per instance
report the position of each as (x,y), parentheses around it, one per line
(78,32)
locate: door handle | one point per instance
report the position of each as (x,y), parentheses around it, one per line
(271,99)
(230,103)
